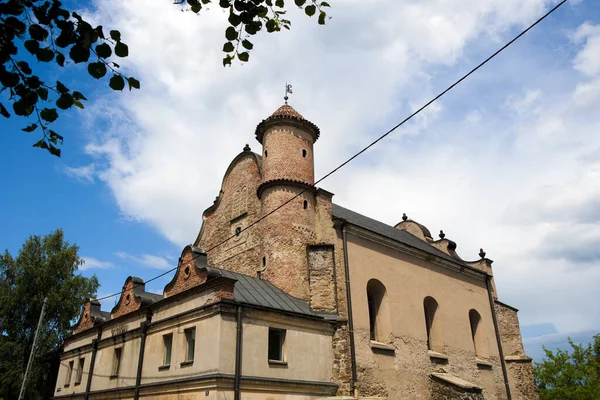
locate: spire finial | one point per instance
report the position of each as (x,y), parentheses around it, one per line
(481,253)
(247,147)
(442,234)
(288,89)
(404,217)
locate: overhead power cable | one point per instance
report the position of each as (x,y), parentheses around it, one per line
(373,143)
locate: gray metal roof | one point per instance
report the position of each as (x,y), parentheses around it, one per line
(388,231)
(262,293)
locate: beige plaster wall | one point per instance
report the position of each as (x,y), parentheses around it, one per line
(307,349)
(72,387)
(81,340)
(104,363)
(408,281)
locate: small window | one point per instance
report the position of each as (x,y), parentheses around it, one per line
(303,153)
(69,373)
(477,334)
(117,361)
(276,341)
(266,154)
(379,323)
(305,204)
(80,370)
(190,344)
(168,345)
(238,231)
(432,324)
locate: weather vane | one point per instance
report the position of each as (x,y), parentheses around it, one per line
(288,89)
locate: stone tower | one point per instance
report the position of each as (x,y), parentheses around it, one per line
(287,171)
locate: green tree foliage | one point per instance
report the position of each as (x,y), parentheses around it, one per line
(570,376)
(45,266)
(35,33)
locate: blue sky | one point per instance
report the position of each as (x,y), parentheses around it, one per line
(508,161)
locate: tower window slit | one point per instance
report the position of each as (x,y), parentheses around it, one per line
(305,204)
(303,153)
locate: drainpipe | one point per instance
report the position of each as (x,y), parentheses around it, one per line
(138,378)
(350,320)
(498,340)
(238,355)
(88,385)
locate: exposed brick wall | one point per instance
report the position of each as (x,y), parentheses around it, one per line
(187,276)
(241,254)
(86,321)
(128,302)
(284,160)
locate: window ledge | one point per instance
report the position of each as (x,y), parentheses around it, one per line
(77,383)
(66,385)
(483,363)
(164,367)
(278,363)
(381,346)
(436,355)
(186,363)
(517,359)
(115,376)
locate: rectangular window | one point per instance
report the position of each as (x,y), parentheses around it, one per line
(190,344)
(168,344)
(80,370)
(69,373)
(117,361)
(276,341)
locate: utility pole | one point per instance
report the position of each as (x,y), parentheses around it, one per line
(32,354)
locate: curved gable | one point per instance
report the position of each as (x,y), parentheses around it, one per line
(90,316)
(133,297)
(191,271)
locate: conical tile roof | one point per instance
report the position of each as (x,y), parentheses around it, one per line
(286,113)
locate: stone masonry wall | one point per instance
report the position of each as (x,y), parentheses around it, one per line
(321,278)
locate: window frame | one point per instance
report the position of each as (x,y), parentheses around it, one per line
(167,350)
(189,333)
(80,366)
(279,346)
(69,373)
(117,357)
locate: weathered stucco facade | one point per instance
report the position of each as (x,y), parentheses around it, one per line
(286,295)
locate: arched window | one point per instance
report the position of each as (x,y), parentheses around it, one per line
(305,204)
(477,334)
(432,323)
(303,153)
(379,324)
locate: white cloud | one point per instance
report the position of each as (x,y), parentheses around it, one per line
(94,263)
(84,174)
(146,260)
(496,164)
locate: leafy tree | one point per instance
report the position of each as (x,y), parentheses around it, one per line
(570,376)
(45,266)
(45,31)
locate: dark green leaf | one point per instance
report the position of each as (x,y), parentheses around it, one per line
(9,79)
(4,112)
(115,35)
(23,108)
(322,17)
(300,3)
(279,3)
(79,53)
(231,33)
(116,82)
(247,44)
(24,67)
(33,82)
(43,93)
(325,4)
(234,19)
(224,3)
(103,50)
(310,10)
(78,96)
(45,54)
(227,60)
(65,101)
(17,25)
(78,104)
(60,59)
(133,83)
(55,135)
(121,49)
(54,151)
(37,32)
(32,46)
(97,69)
(99,31)
(244,56)
(30,128)
(228,47)
(195,6)
(115,64)
(41,144)
(61,88)
(49,114)
(271,25)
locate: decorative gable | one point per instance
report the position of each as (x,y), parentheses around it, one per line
(191,271)
(133,297)
(90,316)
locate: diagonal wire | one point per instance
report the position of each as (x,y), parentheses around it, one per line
(373,143)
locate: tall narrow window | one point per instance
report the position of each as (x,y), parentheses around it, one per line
(305,204)
(80,371)
(69,373)
(432,324)
(276,341)
(168,345)
(190,344)
(303,153)
(379,324)
(477,333)
(117,361)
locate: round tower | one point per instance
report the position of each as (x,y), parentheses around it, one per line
(287,171)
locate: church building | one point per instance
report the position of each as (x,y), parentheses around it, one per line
(285,295)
